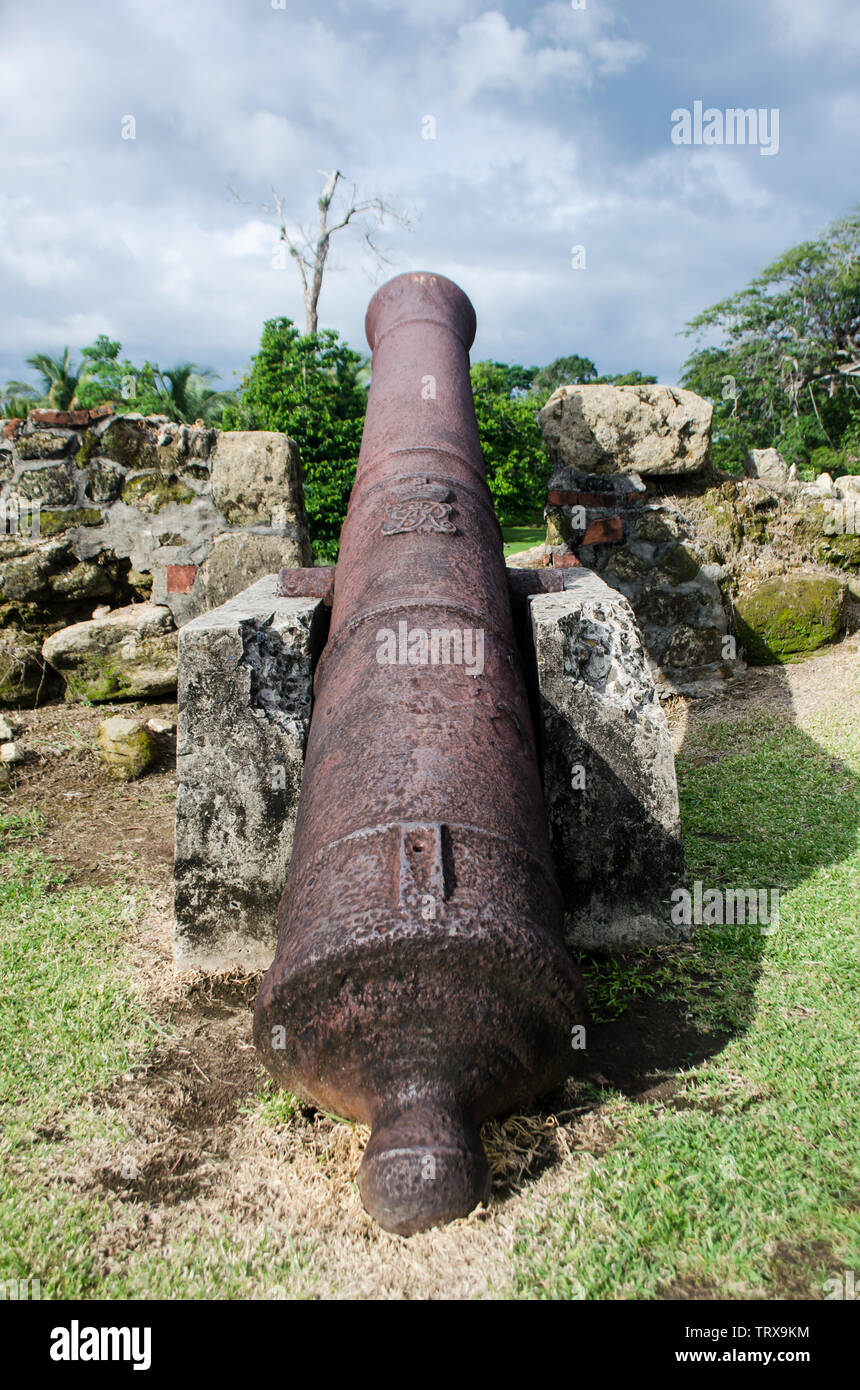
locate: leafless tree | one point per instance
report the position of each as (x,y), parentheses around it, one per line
(310,250)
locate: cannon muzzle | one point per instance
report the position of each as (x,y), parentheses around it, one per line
(420,983)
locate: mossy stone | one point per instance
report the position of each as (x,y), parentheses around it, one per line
(126,441)
(28,577)
(663,607)
(105,480)
(841,551)
(139,581)
(558,527)
(89,447)
(625,565)
(83,580)
(52,523)
(45,444)
(753,518)
(55,484)
(651,526)
(126,748)
(13,545)
(693,646)
(679,565)
(786,617)
(720,505)
(151,492)
(96,681)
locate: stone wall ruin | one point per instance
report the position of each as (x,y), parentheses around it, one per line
(105,511)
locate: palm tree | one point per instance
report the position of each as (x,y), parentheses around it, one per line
(17,399)
(185,395)
(60,379)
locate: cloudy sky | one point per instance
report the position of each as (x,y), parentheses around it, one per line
(552,130)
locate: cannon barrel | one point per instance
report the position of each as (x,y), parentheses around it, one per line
(420,983)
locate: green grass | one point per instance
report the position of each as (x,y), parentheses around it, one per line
(273,1107)
(519,538)
(745,1182)
(70,1026)
(748,1183)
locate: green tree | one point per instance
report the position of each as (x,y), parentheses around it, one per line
(17,399)
(185,394)
(310,387)
(60,381)
(515,458)
(564,371)
(513,378)
(786,373)
(627,379)
(107,377)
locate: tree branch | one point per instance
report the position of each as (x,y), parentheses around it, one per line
(311,254)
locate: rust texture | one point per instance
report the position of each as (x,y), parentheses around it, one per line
(420,983)
(307,583)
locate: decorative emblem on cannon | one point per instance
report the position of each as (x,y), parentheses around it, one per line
(419,505)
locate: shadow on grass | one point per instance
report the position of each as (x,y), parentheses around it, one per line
(763,806)
(760,810)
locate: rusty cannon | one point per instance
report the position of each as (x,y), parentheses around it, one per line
(420,983)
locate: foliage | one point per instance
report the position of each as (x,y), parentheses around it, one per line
(627,379)
(185,394)
(60,379)
(59,386)
(507,400)
(108,378)
(182,392)
(565,371)
(310,387)
(516,461)
(17,400)
(581,371)
(787,373)
(513,378)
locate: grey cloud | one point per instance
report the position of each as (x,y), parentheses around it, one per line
(552,130)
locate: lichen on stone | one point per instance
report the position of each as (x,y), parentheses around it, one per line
(151,491)
(53,523)
(89,447)
(126,748)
